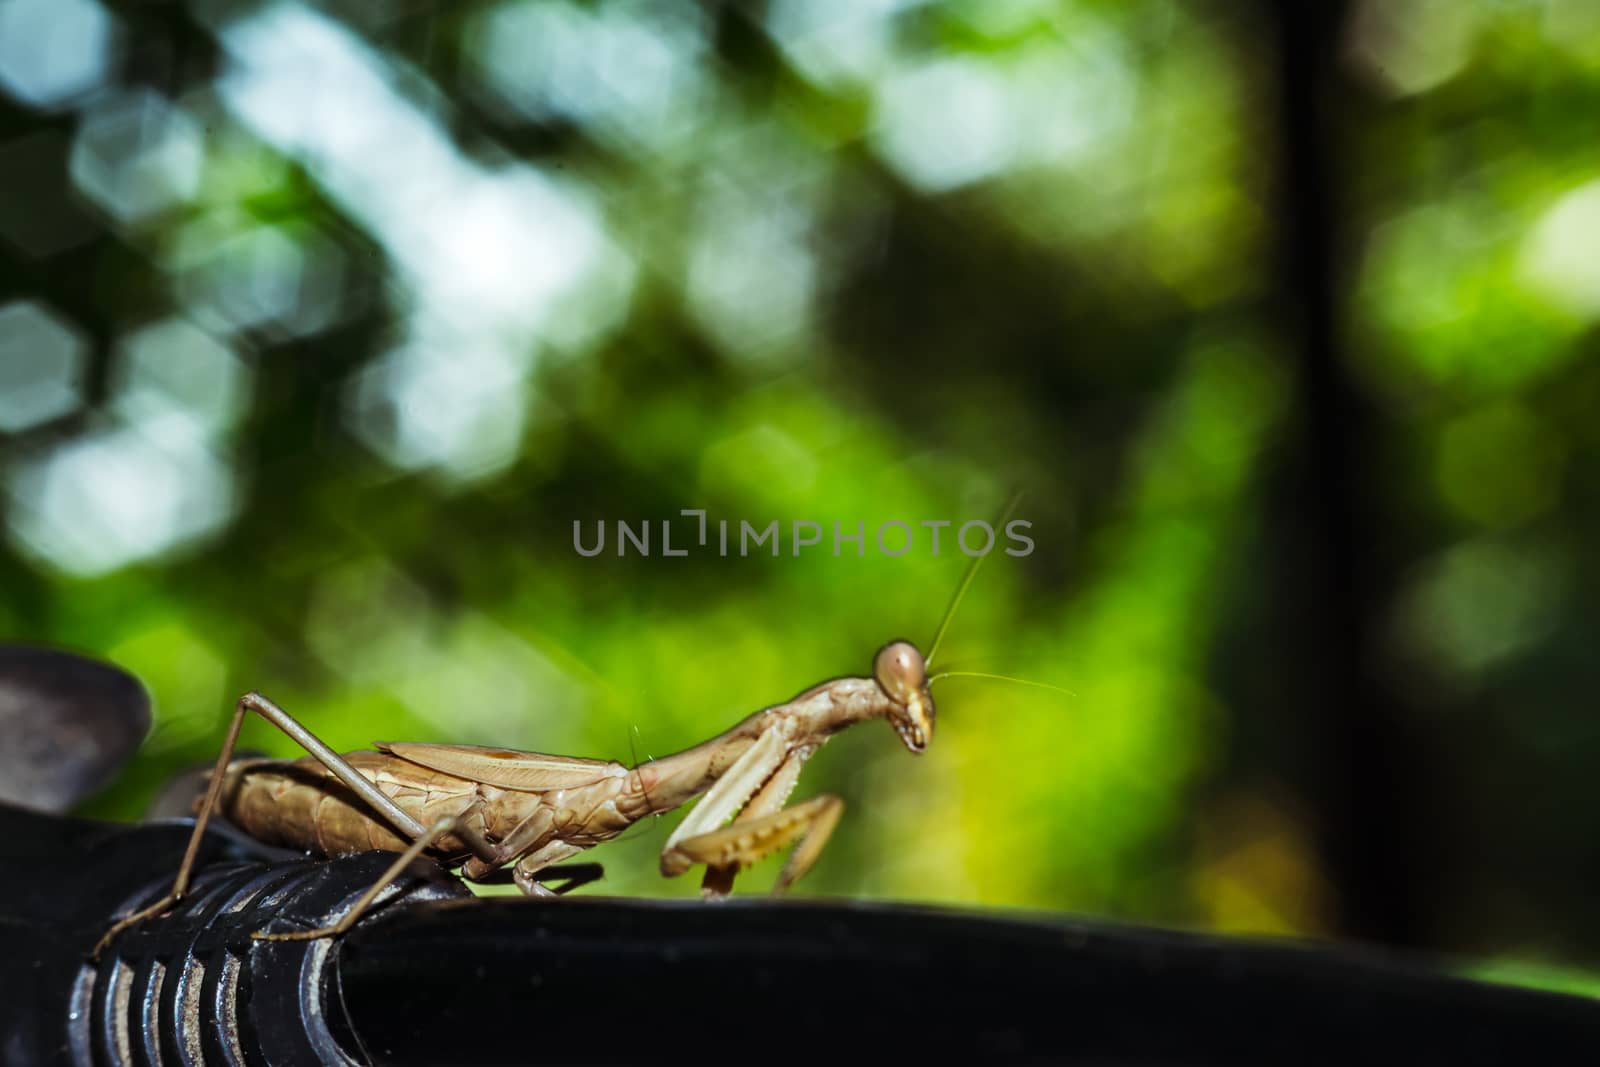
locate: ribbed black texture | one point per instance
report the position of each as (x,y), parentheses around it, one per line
(500,981)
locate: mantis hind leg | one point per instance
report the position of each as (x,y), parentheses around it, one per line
(180,884)
(358,783)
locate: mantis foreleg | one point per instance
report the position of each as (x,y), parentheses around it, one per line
(770,798)
(760,780)
(742,844)
(735,787)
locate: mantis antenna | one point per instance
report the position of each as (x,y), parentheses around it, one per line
(999,678)
(966,580)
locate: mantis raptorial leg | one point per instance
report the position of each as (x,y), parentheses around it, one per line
(727,850)
(763,826)
(740,781)
(768,800)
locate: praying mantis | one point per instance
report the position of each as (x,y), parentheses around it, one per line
(483,808)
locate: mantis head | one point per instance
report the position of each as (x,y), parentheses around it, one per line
(902,674)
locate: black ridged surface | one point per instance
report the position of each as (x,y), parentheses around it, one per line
(606,981)
(595,980)
(190,986)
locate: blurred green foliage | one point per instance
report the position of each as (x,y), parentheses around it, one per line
(321,327)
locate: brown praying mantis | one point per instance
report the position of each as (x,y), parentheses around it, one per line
(483,808)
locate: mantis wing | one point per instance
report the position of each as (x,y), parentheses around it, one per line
(527,772)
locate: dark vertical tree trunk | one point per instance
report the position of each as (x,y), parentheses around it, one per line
(1361,762)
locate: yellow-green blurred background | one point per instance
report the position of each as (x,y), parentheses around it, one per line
(321,324)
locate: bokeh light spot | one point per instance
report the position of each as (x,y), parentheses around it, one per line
(752,275)
(1442,281)
(269,278)
(484,248)
(106,499)
(136,156)
(1406,47)
(435,404)
(835,43)
(946,123)
(172,367)
(1480,604)
(52,51)
(41,366)
(1559,260)
(630,73)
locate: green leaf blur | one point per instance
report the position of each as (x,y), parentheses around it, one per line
(321,326)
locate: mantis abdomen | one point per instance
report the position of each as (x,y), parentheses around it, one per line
(300,804)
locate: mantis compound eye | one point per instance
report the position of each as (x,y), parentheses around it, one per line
(903,676)
(900,672)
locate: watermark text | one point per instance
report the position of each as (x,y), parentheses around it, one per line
(695,533)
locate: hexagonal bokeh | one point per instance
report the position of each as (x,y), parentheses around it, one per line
(136,156)
(633,74)
(53,51)
(41,366)
(287,282)
(172,367)
(458,408)
(105,499)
